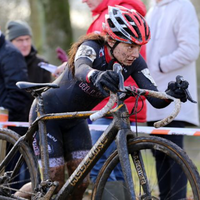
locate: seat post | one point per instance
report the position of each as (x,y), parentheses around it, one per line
(43,138)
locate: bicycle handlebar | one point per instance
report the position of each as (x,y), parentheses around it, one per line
(105,109)
(161,95)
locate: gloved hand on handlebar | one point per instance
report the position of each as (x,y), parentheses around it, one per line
(178,89)
(105,81)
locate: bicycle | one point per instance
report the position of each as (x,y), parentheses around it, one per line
(131,151)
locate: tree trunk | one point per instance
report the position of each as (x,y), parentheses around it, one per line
(51,25)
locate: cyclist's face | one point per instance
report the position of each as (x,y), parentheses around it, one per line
(92,4)
(23,43)
(126,53)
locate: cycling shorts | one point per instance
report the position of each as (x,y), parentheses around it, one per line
(67,140)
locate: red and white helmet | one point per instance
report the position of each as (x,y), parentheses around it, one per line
(126,25)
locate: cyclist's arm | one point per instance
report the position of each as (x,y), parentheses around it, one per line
(144,80)
(146,83)
(84,60)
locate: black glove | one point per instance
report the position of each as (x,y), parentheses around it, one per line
(105,80)
(177,90)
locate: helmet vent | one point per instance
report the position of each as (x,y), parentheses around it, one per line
(111,23)
(138,19)
(119,20)
(115,11)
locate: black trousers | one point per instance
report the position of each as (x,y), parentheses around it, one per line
(173,178)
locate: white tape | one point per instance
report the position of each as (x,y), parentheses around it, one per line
(141,129)
(17,124)
(153,130)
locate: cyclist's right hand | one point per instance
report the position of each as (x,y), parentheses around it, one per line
(105,80)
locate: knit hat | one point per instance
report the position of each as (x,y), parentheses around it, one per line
(16,29)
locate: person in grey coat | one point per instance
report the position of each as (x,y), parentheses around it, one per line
(173,50)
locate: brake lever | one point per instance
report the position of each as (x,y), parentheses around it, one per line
(187,93)
(118,68)
(184,85)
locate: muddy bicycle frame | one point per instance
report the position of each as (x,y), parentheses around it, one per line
(119,130)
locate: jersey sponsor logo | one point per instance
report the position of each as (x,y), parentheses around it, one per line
(125,70)
(87,89)
(51,137)
(35,147)
(101,53)
(147,74)
(50,149)
(86,51)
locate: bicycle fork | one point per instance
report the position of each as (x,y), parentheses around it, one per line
(122,148)
(121,141)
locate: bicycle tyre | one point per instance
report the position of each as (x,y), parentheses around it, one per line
(8,183)
(148,144)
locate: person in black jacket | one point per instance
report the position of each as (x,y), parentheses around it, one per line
(20,34)
(12,69)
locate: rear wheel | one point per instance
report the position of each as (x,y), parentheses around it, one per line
(147,146)
(21,168)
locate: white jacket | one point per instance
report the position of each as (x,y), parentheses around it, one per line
(175,44)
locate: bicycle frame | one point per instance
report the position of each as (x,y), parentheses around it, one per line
(119,129)
(120,126)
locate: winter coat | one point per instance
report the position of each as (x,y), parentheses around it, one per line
(96,26)
(175,45)
(12,69)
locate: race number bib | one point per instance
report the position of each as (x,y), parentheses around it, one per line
(86,51)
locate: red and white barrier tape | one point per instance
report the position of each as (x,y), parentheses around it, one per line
(153,130)
(141,129)
(16,124)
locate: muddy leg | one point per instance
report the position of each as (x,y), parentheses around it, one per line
(78,193)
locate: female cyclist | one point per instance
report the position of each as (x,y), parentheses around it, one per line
(86,81)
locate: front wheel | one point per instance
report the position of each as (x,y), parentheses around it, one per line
(147,147)
(21,168)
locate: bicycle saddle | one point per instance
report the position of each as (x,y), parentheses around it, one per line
(29,86)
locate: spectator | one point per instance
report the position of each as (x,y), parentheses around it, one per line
(173,50)
(12,69)
(20,34)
